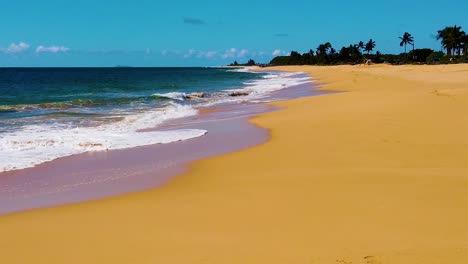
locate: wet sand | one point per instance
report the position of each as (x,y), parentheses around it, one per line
(375,174)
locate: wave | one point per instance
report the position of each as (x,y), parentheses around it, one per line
(78,103)
(172,95)
(75,107)
(95,102)
(35,144)
(271,83)
(179,96)
(6,109)
(259,90)
(277,81)
(70,114)
(244,69)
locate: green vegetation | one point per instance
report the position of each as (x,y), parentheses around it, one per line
(453,39)
(249,63)
(369,46)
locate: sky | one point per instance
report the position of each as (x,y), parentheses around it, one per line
(100,33)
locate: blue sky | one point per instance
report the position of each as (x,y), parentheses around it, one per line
(207,32)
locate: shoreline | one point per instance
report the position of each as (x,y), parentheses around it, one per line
(97,175)
(376,174)
(28,141)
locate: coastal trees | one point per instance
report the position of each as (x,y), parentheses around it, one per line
(370,46)
(451,39)
(323,48)
(322,53)
(350,54)
(251,62)
(378,56)
(355,52)
(344,54)
(309,58)
(465,44)
(294,58)
(420,55)
(361,46)
(406,39)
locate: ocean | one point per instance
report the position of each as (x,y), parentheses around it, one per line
(48,113)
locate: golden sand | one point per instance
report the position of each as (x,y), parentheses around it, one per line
(376,174)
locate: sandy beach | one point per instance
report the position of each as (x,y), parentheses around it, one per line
(377,173)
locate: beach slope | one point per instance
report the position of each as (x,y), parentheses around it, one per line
(377,173)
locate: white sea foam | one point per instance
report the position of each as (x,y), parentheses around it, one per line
(180,96)
(275,82)
(173,95)
(33,145)
(271,83)
(243,69)
(261,88)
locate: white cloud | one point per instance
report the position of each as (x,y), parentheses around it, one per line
(242,53)
(190,53)
(279,52)
(210,54)
(234,53)
(200,54)
(170,52)
(51,49)
(276,52)
(230,53)
(15,48)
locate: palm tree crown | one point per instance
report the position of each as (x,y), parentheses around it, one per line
(370,46)
(406,39)
(361,45)
(451,39)
(323,48)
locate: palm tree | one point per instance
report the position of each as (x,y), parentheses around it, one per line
(406,39)
(370,46)
(323,48)
(361,45)
(465,44)
(451,39)
(355,52)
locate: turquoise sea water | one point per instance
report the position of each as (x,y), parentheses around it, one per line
(38,95)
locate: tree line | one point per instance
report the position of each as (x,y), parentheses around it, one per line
(454,41)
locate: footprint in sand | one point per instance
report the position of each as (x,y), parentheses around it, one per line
(342,261)
(372,260)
